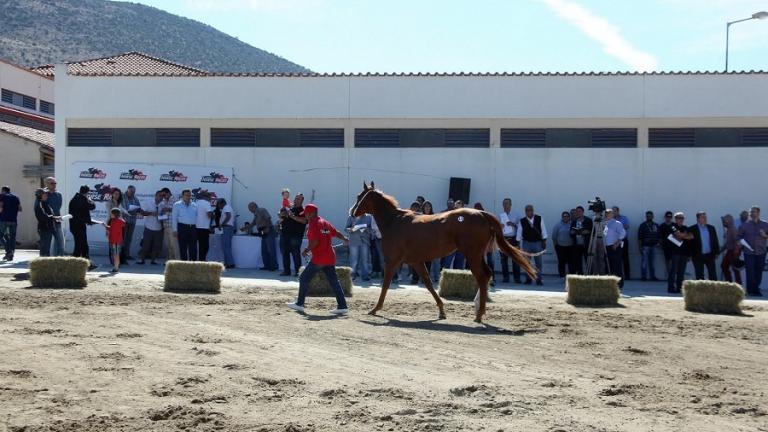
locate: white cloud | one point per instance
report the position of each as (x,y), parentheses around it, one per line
(249,5)
(603,32)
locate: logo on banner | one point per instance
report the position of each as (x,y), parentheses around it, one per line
(133,174)
(173,176)
(93,173)
(197,193)
(101,192)
(214,177)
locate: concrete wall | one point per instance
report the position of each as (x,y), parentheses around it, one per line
(22,81)
(17,152)
(637,179)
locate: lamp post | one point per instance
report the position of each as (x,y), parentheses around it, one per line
(756,15)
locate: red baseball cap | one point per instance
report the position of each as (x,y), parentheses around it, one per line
(309,207)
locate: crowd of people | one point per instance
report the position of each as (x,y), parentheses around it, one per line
(184,225)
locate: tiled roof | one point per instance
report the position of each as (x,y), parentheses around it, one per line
(135,64)
(127,64)
(41,137)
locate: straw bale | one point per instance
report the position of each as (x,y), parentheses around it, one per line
(458,284)
(712,296)
(58,272)
(319,286)
(592,290)
(193,276)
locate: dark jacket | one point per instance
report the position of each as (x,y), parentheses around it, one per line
(80,208)
(586,226)
(714,243)
(648,234)
(44,215)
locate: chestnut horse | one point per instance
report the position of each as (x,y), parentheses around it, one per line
(415,239)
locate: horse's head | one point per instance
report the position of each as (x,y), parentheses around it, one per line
(364,203)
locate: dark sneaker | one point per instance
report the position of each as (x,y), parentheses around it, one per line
(140,262)
(114,270)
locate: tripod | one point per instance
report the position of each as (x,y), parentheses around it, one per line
(596,254)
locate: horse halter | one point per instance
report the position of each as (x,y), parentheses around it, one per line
(360,201)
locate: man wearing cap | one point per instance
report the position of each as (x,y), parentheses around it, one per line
(55,200)
(80,207)
(319,234)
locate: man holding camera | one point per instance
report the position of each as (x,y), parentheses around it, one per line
(581,230)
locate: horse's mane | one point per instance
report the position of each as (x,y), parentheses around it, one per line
(389,198)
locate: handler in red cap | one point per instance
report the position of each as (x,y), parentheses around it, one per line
(320,234)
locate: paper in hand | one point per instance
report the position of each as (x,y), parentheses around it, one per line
(746,245)
(674,240)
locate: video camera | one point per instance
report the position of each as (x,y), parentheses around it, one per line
(597,206)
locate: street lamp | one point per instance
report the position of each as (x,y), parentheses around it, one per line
(756,15)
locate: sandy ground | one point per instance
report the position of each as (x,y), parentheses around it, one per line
(121,355)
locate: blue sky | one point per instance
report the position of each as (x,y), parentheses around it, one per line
(492,35)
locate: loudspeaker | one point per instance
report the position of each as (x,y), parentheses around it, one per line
(459,190)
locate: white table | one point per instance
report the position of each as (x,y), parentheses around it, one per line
(246,250)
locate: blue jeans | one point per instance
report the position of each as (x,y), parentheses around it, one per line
(360,260)
(434,270)
(8,235)
(226,244)
(754,267)
(58,240)
(187,236)
(45,242)
(534,247)
(330,272)
(454,261)
(647,267)
(269,250)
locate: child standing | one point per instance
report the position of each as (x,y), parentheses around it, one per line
(286,200)
(115,228)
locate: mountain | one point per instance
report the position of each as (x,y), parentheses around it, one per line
(38,32)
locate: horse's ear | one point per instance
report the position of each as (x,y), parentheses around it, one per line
(365,186)
(372,186)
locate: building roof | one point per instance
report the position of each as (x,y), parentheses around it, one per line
(45,139)
(126,64)
(137,64)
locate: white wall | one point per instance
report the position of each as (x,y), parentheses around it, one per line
(26,82)
(717,180)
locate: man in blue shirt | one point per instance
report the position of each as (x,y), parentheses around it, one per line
(55,200)
(10,206)
(614,236)
(184,219)
(704,248)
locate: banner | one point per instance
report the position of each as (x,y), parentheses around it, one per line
(104,177)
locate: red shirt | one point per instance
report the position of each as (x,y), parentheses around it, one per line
(115,230)
(322,230)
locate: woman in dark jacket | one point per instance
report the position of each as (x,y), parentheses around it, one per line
(45,221)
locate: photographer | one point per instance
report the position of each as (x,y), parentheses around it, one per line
(581,229)
(614,237)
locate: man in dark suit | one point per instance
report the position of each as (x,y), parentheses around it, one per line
(80,208)
(705,247)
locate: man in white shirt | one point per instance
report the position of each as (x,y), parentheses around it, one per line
(166,209)
(613,236)
(203,224)
(533,236)
(152,240)
(509,220)
(225,220)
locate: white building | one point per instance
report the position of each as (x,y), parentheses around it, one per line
(26,139)
(658,141)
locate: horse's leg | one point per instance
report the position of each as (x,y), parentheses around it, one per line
(389,272)
(421,269)
(482,274)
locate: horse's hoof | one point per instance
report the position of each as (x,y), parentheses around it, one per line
(372,312)
(441,316)
(478,320)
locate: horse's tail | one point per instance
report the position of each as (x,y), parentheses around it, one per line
(518,256)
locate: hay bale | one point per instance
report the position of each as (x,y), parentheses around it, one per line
(193,276)
(592,290)
(319,286)
(58,272)
(712,296)
(458,284)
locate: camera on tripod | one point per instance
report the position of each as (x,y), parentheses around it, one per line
(597,206)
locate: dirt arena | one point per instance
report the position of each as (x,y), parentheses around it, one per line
(124,356)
